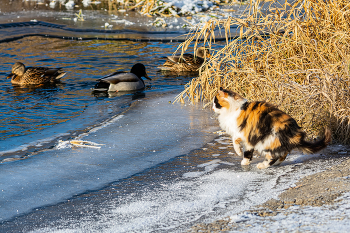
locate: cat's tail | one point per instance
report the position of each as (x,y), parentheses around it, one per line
(312,147)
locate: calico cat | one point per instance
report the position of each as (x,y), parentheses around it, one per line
(262,127)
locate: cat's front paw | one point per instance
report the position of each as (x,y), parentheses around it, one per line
(245,161)
(262,165)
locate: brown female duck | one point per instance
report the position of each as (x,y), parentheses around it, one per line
(186,62)
(34,75)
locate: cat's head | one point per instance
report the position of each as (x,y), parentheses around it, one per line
(227,100)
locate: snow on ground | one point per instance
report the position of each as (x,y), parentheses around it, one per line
(213,189)
(190,6)
(191,12)
(327,218)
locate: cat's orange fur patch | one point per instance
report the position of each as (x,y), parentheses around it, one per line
(221,95)
(295,139)
(252,117)
(238,141)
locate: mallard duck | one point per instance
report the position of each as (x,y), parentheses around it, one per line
(186,62)
(34,75)
(123,81)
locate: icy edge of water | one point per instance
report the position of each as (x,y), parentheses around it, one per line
(149,133)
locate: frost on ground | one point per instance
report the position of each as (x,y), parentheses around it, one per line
(303,193)
(316,203)
(326,218)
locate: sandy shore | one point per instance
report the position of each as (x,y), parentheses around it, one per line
(324,195)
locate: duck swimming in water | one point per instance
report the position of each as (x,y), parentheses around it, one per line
(186,62)
(21,75)
(123,81)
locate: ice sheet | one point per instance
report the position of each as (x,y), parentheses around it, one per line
(150,132)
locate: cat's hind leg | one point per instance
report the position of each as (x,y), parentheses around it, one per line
(269,160)
(281,159)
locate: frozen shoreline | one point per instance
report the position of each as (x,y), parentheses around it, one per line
(318,202)
(199,190)
(150,132)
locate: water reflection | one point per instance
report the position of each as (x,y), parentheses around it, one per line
(42,91)
(134,94)
(174,74)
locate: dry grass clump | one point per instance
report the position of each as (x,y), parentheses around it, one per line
(302,66)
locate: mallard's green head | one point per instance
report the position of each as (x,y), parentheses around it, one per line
(139,70)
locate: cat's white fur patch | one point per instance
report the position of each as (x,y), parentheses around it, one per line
(228,118)
(260,146)
(237,148)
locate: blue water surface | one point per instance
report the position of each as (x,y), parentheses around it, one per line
(29,111)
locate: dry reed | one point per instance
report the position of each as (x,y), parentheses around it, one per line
(302,66)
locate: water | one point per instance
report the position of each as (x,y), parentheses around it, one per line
(30,110)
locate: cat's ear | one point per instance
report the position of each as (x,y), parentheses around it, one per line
(222,93)
(221,90)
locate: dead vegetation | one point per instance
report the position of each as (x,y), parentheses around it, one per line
(295,54)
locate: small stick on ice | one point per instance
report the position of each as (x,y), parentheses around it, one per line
(85,144)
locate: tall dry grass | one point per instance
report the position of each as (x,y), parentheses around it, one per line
(302,66)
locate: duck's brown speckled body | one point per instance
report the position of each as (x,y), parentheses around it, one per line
(34,75)
(186,62)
